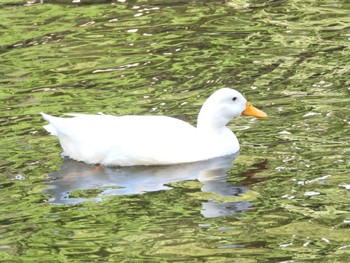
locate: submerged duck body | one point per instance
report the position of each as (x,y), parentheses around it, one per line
(153,140)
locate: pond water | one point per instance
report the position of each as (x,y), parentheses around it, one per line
(284,198)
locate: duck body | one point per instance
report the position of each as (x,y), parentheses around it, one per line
(137,140)
(151,140)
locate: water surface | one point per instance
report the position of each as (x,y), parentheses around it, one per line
(285,197)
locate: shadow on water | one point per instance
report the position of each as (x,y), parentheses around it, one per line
(110,181)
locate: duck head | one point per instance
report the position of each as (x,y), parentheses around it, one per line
(224,105)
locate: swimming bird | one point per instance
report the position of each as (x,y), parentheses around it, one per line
(153,140)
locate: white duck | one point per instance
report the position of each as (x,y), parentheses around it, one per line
(153,140)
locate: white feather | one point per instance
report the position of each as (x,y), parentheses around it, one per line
(150,140)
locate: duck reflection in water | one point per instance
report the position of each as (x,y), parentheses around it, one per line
(142,179)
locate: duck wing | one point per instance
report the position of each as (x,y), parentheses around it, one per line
(125,140)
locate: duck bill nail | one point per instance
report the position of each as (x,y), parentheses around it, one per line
(254,112)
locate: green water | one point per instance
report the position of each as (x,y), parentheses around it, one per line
(286,197)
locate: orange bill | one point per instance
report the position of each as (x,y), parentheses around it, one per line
(250,110)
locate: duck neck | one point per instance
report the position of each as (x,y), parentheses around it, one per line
(208,121)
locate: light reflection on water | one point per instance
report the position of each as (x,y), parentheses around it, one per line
(212,174)
(164,57)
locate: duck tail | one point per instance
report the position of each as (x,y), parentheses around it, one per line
(50,128)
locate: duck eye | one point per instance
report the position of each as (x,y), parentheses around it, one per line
(234,98)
